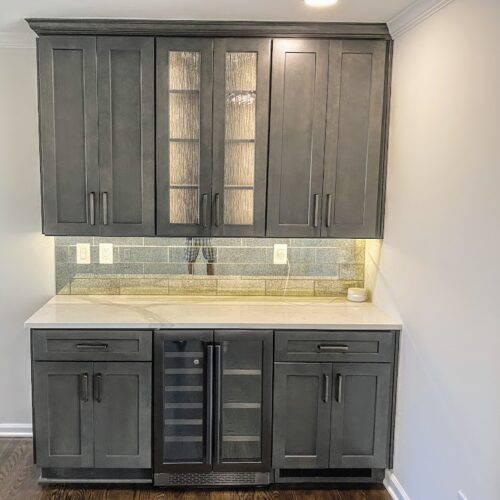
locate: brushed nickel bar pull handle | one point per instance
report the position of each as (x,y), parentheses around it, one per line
(218,403)
(329,199)
(326,387)
(204,206)
(339,388)
(92,347)
(333,348)
(209,416)
(316,210)
(105,208)
(98,387)
(84,387)
(92,208)
(216,209)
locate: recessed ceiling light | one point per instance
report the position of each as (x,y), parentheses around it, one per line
(320,3)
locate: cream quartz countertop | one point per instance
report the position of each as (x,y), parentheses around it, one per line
(121,311)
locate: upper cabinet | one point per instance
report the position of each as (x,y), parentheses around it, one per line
(67,88)
(327,138)
(96,100)
(297,137)
(240,135)
(354,150)
(212,126)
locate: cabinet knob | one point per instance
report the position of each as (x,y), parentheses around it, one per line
(92,208)
(316,210)
(105,208)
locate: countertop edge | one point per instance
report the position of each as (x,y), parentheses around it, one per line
(212,326)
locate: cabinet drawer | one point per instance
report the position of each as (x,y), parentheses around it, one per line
(92,345)
(365,346)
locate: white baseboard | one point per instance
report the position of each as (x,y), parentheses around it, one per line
(393,486)
(16,430)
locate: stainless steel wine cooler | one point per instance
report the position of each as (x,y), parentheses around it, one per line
(213,407)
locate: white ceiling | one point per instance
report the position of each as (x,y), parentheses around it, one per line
(13,12)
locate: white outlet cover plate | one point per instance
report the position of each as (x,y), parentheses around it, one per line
(83,253)
(280,254)
(105,253)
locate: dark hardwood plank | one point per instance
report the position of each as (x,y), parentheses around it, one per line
(19,481)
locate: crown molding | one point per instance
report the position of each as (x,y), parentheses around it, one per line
(413,15)
(17,40)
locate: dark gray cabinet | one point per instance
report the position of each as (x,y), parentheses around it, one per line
(67,95)
(96,105)
(240,128)
(125,86)
(302,407)
(361,415)
(212,124)
(332,187)
(122,415)
(63,410)
(353,180)
(297,137)
(332,415)
(92,415)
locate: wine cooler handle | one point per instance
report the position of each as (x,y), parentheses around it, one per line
(209,416)
(218,402)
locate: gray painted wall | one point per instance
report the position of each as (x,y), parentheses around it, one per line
(26,256)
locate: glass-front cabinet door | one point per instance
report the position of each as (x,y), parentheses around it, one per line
(243,389)
(241,106)
(184,135)
(183,401)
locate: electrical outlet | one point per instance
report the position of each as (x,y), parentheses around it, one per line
(461,495)
(105,253)
(83,253)
(280,255)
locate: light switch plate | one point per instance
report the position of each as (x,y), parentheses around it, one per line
(280,255)
(105,253)
(83,253)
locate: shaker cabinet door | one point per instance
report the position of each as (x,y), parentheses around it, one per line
(360,415)
(122,415)
(184,136)
(63,411)
(241,116)
(126,135)
(68,134)
(297,137)
(354,139)
(301,427)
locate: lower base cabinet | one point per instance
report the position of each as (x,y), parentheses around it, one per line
(331,415)
(92,414)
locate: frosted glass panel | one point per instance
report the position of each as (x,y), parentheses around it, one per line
(239,154)
(183,206)
(184,70)
(184,112)
(241,71)
(240,115)
(238,206)
(184,163)
(239,162)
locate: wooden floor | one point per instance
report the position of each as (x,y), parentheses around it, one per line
(18,480)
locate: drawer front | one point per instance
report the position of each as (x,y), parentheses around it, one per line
(92,345)
(365,346)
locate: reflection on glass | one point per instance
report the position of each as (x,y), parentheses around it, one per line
(184,136)
(240,123)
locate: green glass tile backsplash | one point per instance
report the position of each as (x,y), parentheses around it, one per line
(240,266)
